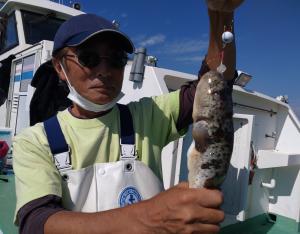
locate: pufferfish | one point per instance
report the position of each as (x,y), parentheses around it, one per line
(213,132)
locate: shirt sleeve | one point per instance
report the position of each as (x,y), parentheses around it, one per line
(168,115)
(155,118)
(35,172)
(33,215)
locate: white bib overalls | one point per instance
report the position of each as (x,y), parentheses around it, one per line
(102,186)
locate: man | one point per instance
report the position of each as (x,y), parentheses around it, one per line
(78,172)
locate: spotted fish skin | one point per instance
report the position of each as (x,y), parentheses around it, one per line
(213,133)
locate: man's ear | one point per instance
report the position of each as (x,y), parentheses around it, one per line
(59,70)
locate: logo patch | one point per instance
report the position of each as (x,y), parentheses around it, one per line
(128,196)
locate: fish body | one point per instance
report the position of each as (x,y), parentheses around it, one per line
(213,133)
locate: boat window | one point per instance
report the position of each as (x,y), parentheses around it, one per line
(27,72)
(38,27)
(9,35)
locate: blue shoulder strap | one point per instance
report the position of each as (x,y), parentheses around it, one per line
(59,145)
(55,136)
(127,131)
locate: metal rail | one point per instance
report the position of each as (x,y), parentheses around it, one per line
(256,108)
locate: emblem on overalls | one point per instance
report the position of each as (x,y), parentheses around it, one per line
(128,196)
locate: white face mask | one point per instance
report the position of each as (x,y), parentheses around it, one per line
(84,103)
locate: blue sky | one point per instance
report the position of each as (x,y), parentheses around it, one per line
(176,32)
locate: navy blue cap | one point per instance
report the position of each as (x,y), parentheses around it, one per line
(80,28)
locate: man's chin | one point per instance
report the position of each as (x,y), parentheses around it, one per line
(103,101)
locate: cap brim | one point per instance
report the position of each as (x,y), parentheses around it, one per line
(124,40)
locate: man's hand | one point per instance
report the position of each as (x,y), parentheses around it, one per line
(176,210)
(184,210)
(223,5)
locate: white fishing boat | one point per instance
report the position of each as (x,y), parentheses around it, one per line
(262,187)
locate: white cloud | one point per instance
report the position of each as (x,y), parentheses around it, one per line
(184,46)
(138,38)
(189,58)
(153,40)
(186,50)
(124,15)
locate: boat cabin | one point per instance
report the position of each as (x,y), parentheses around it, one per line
(27,22)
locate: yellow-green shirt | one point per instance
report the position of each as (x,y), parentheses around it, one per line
(92,141)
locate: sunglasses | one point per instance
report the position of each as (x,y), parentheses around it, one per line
(91,59)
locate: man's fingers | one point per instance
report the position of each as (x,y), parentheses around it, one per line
(210,216)
(212,198)
(192,214)
(200,228)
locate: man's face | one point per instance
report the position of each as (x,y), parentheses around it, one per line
(99,84)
